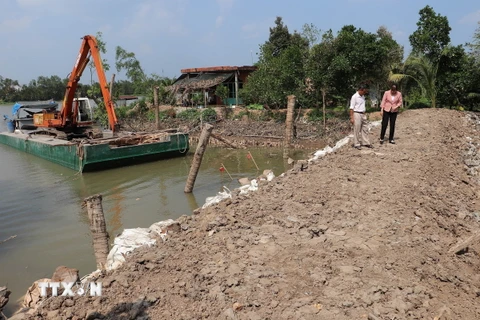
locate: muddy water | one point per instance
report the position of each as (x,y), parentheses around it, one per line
(41,204)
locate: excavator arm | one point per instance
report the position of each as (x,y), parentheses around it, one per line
(66,118)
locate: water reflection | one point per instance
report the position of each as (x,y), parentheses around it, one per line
(41,203)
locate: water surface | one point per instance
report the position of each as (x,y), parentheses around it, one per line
(41,203)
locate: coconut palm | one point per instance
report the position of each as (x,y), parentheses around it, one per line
(423,72)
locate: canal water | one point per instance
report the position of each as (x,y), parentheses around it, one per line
(41,204)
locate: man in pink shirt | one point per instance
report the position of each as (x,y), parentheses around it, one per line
(391,103)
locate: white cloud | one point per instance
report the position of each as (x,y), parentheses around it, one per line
(471,18)
(219,21)
(225,6)
(156,17)
(256,29)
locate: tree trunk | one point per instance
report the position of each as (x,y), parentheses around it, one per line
(289,125)
(197,158)
(324,93)
(155,102)
(111,86)
(99,229)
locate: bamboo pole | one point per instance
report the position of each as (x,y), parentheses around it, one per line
(227,171)
(155,102)
(289,125)
(251,156)
(197,158)
(98,228)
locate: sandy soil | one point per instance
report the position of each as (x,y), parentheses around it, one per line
(371,234)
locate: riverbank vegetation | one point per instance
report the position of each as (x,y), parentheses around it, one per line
(322,69)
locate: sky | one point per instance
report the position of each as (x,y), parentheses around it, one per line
(43,37)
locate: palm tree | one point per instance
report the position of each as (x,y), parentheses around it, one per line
(419,68)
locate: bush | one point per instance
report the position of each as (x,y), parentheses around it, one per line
(317,115)
(209,115)
(241,114)
(189,114)
(122,112)
(255,107)
(162,115)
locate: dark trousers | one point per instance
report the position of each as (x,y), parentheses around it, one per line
(392,116)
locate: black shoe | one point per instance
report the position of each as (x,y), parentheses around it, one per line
(358,147)
(368,146)
(381,141)
(392,141)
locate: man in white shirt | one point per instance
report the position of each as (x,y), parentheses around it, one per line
(359,119)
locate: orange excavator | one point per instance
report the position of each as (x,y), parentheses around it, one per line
(69,119)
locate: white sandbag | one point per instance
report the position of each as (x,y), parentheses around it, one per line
(127,241)
(218,198)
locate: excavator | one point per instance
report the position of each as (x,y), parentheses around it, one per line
(69,121)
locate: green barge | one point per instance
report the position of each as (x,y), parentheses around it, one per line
(99,154)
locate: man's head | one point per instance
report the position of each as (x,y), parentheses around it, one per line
(393,88)
(362,89)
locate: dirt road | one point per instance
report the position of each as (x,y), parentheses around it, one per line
(370,234)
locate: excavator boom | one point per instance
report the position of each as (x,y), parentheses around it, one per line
(67,117)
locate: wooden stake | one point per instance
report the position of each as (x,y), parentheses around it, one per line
(289,124)
(9,238)
(197,158)
(228,143)
(155,102)
(227,171)
(98,228)
(253,160)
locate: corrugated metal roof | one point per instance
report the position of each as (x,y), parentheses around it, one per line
(219,69)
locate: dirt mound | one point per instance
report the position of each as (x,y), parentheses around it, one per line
(370,234)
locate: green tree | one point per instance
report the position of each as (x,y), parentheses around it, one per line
(432,34)
(128,62)
(424,72)
(102,48)
(281,68)
(475,44)
(321,69)
(222,92)
(8,89)
(279,38)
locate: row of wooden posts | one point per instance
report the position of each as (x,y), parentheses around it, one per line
(94,207)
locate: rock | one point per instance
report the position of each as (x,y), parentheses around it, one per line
(162,228)
(290,161)
(52,314)
(244,181)
(32,297)
(123,281)
(65,274)
(56,303)
(347,304)
(4,294)
(68,303)
(300,165)
(237,306)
